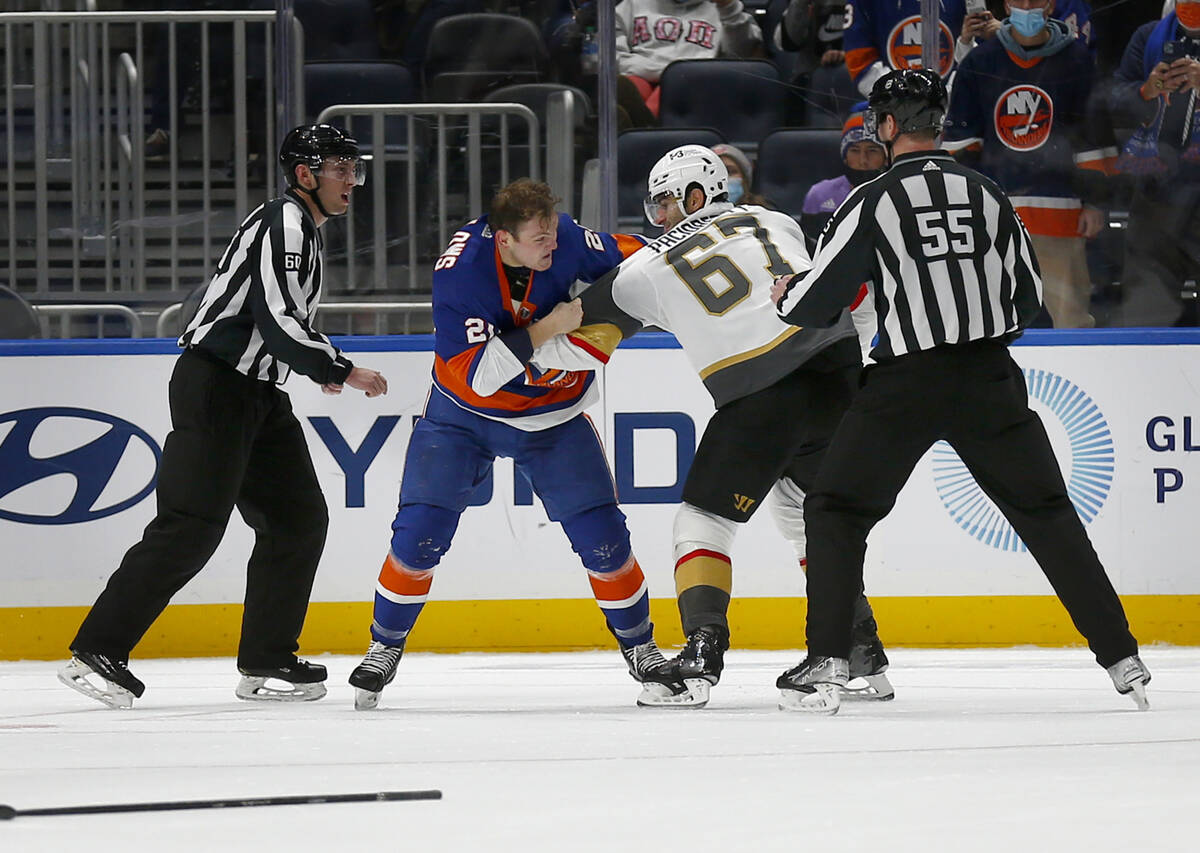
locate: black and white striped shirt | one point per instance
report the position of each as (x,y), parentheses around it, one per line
(948,259)
(257,312)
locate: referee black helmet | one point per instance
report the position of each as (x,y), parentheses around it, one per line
(915,98)
(312,144)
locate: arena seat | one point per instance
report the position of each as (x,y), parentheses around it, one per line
(469,55)
(743,99)
(338,29)
(791,160)
(17,318)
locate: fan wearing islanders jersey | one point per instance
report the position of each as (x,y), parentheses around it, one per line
(779,390)
(1019,114)
(501,288)
(885,35)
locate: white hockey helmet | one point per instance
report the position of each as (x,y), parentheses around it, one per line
(679,169)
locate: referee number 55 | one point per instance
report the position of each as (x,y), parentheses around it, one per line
(945,232)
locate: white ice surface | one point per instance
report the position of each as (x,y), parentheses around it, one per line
(1015,750)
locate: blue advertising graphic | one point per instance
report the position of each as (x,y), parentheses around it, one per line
(91,463)
(1089,478)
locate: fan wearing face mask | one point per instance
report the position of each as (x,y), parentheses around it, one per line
(741,176)
(862,159)
(1019,114)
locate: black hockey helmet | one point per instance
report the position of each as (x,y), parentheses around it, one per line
(312,144)
(915,98)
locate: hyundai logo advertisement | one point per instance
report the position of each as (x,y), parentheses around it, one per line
(81,442)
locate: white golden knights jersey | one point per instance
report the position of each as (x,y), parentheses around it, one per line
(708,282)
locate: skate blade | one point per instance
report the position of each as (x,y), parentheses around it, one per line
(75,674)
(366,700)
(869,688)
(825,699)
(660,696)
(255,688)
(1137,692)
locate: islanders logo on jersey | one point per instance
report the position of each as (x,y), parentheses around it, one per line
(1024,116)
(904,46)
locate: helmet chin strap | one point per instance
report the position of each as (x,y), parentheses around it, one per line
(316,199)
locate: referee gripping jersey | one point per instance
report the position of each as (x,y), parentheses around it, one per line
(257,313)
(949,259)
(954,279)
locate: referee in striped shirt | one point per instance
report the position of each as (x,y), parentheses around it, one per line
(954,280)
(234,441)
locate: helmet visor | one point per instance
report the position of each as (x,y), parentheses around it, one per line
(871,125)
(657,206)
(343,170)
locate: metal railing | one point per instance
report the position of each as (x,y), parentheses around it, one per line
(170,321)
(64,313)
(388,145)
(434,148)
(62,72)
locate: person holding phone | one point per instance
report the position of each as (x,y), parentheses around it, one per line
(1155,93)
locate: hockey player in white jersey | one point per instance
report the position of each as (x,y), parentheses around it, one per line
(779,391)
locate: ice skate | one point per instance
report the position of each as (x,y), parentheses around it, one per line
(814,686)
(118,686)
(1130,677)
(660,687)
(375,672)
(700,663)
(868,663)
(302,680)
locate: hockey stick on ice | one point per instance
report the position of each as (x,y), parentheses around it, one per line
(8,812)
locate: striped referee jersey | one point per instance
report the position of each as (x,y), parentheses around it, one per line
(947,258)
(257,312)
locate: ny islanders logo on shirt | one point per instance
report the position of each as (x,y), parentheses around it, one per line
(904,46)
(1024,115)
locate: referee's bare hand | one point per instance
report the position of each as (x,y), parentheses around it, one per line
(331,388)
(369,381)
(778,288)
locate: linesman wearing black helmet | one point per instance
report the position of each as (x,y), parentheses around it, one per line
(234,441)
(954,280)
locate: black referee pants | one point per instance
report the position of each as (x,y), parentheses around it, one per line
(234,442)
(974,397)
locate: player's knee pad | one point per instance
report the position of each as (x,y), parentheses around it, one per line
(787,508)
(697,529)
(421,534)
(600,538)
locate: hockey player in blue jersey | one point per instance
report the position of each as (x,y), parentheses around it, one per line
(500,289)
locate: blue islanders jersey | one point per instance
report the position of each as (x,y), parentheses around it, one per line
(481,346)
(1028,120)
(889,31)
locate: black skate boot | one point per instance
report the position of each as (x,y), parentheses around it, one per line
(660,686)
(375,672)
(119,686)
(814,686)
(868,663)
(700,663)
(304,682)
(1130,677)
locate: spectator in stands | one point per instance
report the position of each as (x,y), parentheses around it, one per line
(811,31)
(1155,92)
(862,159)
(1018,113)
(883,35)
(651,34)
(741,176)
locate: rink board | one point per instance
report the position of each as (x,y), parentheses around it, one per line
(82,424)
